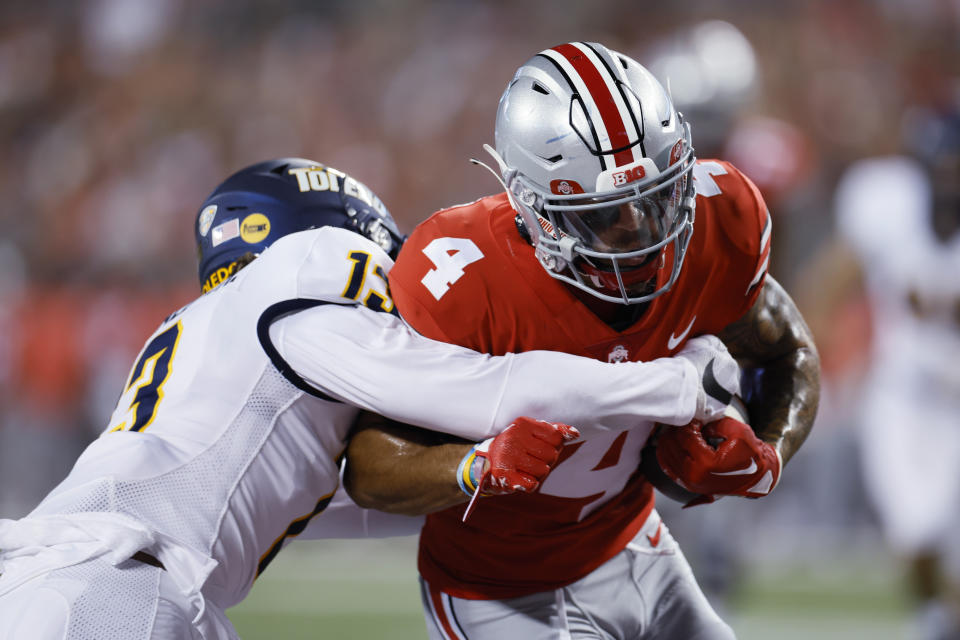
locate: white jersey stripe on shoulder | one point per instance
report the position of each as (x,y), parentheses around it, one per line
(761,271)
(602,100)
(765,236)
(764,253)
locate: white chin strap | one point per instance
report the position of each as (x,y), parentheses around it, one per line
(504,170)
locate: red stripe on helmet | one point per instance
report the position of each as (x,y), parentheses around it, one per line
(600,91)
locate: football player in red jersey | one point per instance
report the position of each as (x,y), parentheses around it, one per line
(595,249)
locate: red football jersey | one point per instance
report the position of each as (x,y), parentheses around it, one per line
(467,276)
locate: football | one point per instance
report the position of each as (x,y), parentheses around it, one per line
(655,474)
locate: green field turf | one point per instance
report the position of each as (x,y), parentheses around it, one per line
(367,590)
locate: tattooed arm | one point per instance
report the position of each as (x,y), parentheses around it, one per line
(774,346)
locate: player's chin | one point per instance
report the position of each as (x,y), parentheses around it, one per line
(659,479)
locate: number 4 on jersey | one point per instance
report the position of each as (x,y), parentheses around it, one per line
(703,173)
(449,256)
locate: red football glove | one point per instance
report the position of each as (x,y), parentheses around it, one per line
(518,459)
(722,458)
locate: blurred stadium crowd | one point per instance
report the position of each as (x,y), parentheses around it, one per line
(117,117)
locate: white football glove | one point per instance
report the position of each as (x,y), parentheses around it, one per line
(718,372)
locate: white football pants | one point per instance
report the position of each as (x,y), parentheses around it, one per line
(94,599)
(646,591)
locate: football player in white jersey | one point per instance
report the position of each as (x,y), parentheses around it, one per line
(900,215)
(225,441)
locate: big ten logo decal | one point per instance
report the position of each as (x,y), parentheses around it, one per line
(628,175)
(598,468)
(334,180)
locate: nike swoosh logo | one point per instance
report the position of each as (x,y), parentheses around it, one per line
(712,387)
(655,538)
(752,468)
(673,340)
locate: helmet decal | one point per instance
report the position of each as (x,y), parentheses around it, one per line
(611,114)
(676,151)
(255,228)
(642,169)
(220,274)
(206,219)
(565,187)
(225,232)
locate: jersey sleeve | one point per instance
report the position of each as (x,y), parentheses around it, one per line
(376,362)
(443,280)
(343,266)
(744,228)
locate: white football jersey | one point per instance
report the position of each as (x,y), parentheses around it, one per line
(907,415)
(225,441)
(884,211)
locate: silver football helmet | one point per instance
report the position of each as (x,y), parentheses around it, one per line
(598,164)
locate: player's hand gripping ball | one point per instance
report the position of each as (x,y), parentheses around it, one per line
(695,464)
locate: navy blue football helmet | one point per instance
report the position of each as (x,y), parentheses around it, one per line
(263,202)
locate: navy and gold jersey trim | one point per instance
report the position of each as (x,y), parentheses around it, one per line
(273,313)
(296,528)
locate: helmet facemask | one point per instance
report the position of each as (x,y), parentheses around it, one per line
(612,243)
(598,164)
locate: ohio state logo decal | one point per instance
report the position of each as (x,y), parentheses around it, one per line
(618,354)
(677,151)
(565,187)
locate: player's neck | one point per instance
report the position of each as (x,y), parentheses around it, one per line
(615,315)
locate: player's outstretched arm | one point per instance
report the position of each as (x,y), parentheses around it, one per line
(776,350)
(397,468)
(375,362)
(402,469)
